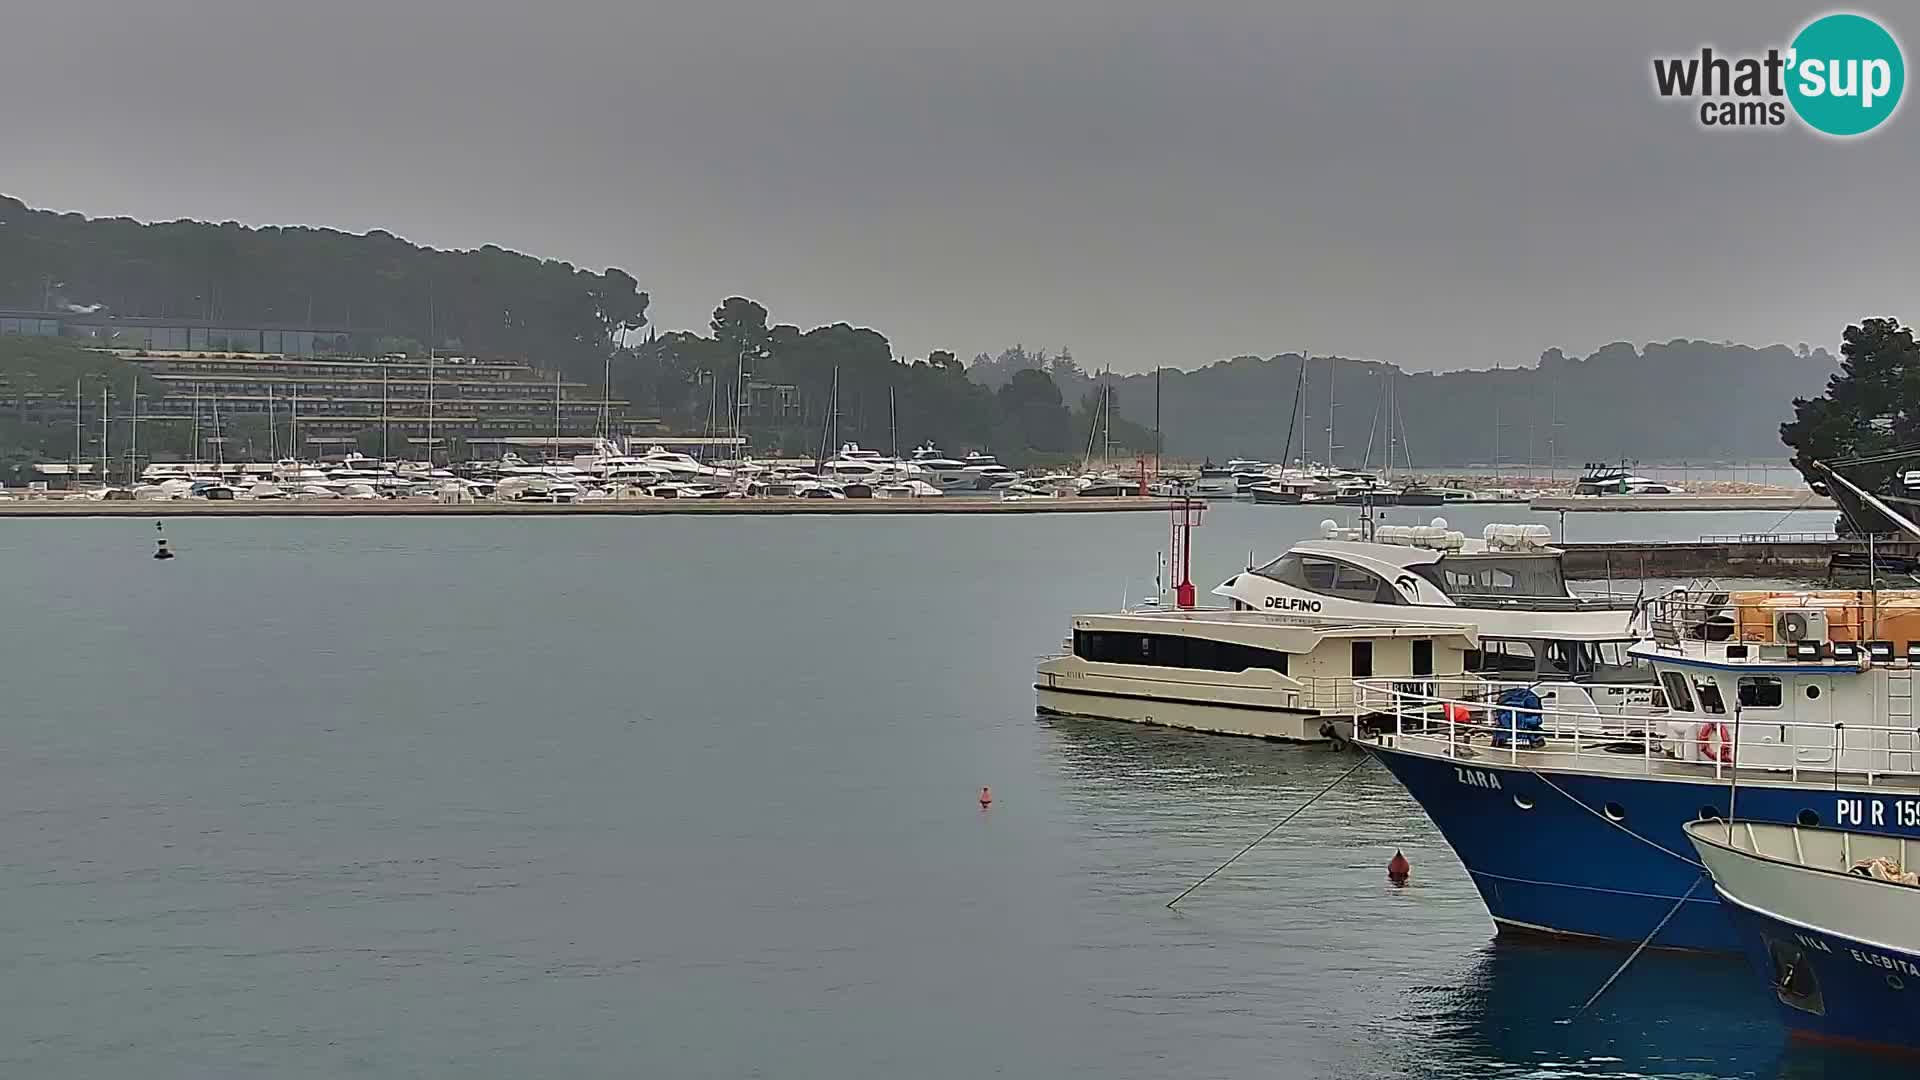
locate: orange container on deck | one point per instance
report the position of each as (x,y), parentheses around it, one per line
(1847,615)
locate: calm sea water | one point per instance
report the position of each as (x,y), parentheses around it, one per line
(696,798)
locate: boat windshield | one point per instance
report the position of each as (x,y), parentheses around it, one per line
(1558,658)
(1499,576)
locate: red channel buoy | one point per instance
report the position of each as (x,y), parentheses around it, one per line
(986,797)
(1399,869)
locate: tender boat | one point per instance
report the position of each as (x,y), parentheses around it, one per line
(906,489)
(1423,495)
(1830,918)
(1105,486)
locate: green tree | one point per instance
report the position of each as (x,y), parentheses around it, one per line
(741,325)
(1871,405)
(1031,407)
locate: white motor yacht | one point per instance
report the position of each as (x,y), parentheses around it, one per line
(943,472)
(1216,479)
(855,465)
(1601,479)
(987,472)
(1510,584)
(682,465)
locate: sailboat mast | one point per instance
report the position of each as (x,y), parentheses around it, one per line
(429,405)
(79,426)
(1498,473)
(1157,369)
(104,431)
(384,455)
(1294,414)
(133,436)
(832,423)
(432,336)
(740,403)
(1106,439)
(1330,407)
(606,397)
(273,437)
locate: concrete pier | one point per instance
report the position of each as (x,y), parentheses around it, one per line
(1732,557)
(1782,500)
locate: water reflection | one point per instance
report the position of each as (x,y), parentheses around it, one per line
(1415,982)
(1675,1015)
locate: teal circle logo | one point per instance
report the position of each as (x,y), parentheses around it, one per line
(1846,74)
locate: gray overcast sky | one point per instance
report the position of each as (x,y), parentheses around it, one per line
(1438,185)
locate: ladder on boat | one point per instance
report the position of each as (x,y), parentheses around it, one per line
(1900,716)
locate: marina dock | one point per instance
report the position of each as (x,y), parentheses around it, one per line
(1780,500)
(199,508)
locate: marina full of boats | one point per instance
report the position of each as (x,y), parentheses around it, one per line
(609,473)
(1697,769)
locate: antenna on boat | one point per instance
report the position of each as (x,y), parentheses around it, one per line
(1733,767)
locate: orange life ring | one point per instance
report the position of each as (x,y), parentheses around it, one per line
(1716,742)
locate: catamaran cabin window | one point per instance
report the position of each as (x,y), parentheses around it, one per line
(1330,577)
(1610,661)
(1759,692)
(1496,575)
(1171,650)
(1501,656)
(1679,698)
(1602,661)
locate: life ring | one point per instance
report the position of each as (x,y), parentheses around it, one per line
(1716,742)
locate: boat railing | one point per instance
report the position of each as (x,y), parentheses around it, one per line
(1581,601)
(1788,538)
(1339,696)
(1470,718)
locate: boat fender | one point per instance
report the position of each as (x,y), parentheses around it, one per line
(1715,741)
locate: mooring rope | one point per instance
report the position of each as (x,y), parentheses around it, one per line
(1542,777)
(1276,828)
(1644,942)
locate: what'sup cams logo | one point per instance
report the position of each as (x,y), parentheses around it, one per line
(1841,75)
